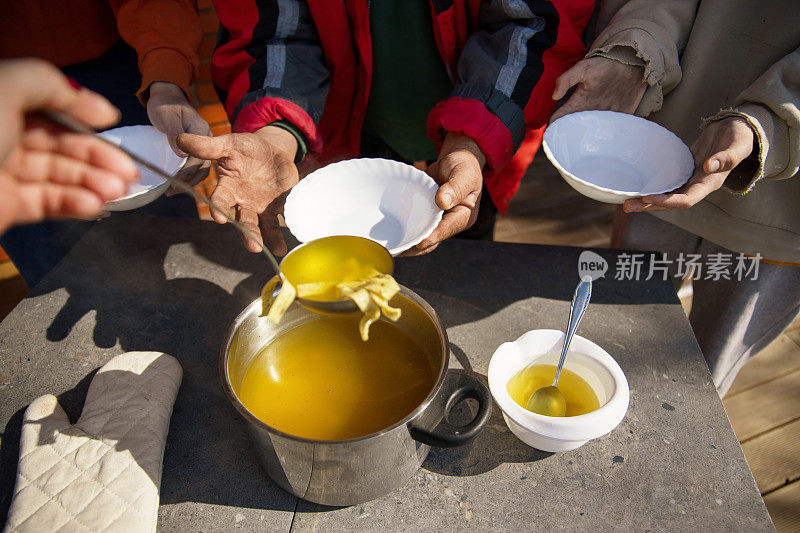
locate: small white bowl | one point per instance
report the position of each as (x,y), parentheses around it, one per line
(585,358)
(153,146)
(389,202)
(610,156)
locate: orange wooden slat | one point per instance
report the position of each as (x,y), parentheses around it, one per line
(220,129)
(206,94)
(203,212)
(12,288)
(213,114)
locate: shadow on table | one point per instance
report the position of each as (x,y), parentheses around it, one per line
(481,273)
(70,401)
(9,455)
(174,295)
(494,445)
(178,293)
(137,306)
(113,417)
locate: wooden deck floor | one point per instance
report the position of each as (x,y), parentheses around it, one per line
(764,407)
(764,401)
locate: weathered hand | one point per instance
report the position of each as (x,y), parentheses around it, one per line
(46,171)
(722,145)
(602,84)
(171,113)
(459,173)
(255,171)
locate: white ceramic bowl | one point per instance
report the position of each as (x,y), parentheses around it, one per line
(153,146)
(585,358)
(610,156)
(389,202)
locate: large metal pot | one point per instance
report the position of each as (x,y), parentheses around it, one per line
(347,472)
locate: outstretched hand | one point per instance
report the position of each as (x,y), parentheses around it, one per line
(459,173)
(172,114)
(255,171)
(602,84)
(46,171)
(719,149)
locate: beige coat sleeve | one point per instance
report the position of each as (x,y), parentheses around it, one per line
(771,105)
(647,33)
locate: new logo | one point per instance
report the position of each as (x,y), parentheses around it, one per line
(592,265)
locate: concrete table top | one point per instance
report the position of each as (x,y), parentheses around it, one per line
(175,285)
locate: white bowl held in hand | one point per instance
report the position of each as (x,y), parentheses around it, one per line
(153,146)
(389,202)
(585,358)
(610,156)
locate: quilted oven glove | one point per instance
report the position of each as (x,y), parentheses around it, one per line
(103,473)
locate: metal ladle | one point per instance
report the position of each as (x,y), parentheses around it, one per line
(550,401)
(69,123)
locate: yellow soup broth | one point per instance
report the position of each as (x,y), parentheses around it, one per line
(332,260)
(321,381)
(581,399)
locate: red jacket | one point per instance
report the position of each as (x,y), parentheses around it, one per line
(311,63)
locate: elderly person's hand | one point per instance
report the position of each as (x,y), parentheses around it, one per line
(256,171)
(602,84)
(459,173)
(722,145)
(171,113)
(46,171)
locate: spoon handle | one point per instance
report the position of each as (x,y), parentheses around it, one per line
(73,125)
(580,301)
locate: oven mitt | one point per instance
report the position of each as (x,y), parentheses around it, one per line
(103,473)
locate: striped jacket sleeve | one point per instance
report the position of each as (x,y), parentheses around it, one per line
(507,72)
(269,65)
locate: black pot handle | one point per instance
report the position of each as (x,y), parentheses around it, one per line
(431,426)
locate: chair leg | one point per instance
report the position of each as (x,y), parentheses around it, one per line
(620,223)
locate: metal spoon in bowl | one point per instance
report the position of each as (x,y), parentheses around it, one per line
(69,123)
(550,401)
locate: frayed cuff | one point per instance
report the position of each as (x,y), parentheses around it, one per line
(744,177)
